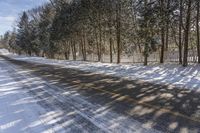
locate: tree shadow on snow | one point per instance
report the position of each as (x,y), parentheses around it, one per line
(165,108)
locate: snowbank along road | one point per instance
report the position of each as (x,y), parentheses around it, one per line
(38,97)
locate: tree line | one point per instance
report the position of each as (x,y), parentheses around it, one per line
(71,28)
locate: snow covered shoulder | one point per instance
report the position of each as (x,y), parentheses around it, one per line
(168,74)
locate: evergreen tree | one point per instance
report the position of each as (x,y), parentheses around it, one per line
(22,39)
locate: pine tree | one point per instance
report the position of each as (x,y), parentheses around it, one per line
(22,34)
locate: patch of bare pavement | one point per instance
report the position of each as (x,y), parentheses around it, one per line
(92,102)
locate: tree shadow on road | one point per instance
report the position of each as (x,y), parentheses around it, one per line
(165,108)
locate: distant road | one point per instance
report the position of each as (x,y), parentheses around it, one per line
(100,103)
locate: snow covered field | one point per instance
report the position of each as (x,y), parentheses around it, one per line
(168,74)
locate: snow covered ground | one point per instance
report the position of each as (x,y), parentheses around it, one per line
(29,104)
(168,74)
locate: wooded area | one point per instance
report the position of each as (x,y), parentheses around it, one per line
(92,30)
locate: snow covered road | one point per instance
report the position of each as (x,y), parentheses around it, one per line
(61,99)
(18,110)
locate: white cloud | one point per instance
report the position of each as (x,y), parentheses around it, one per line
(7,19)
(6,23)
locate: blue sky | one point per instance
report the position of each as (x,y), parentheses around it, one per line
(10,10)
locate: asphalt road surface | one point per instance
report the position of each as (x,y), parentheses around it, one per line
(101,103)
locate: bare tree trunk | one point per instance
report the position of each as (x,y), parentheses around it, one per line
(97,44)
(162,31)
(29,52)
(187,30)
(163,46)
(84,46)
(167,26)
(197,28)
(73,49)
(67,50)
(111,57)
(118,30)
(180,31)
(100,38)
(146,38)
(146,59)
(111,42)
